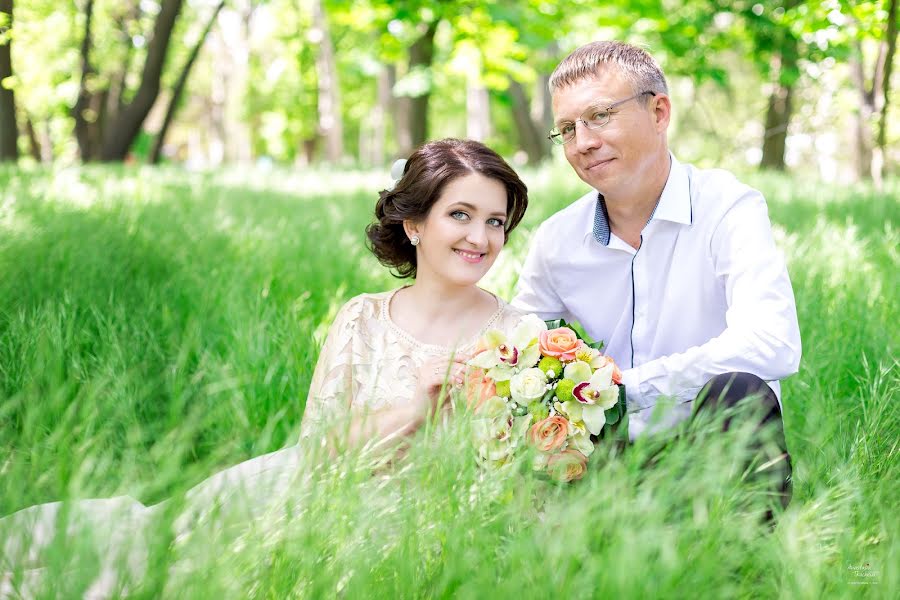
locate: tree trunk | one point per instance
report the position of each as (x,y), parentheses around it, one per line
(120,134)
(542,108)
(115,101)
(864,141)
(887,66)
(874,96)
(531,137)
(46,143)
(399,115)
(778,115)
(421,53)
(34,146)
(542,103)
(9,130)
(380,120)
(330,124)
(478,110)
(309,150)
(80,113)
(180,84)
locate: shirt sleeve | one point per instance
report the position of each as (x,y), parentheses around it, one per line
(535,291)
(762,335)
(331,388)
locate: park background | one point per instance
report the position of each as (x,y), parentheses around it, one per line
(184,187)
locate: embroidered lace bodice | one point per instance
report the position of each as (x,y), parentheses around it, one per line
(369,362)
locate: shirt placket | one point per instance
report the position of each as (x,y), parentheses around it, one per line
(640,305)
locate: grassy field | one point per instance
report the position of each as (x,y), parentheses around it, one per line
(157,326)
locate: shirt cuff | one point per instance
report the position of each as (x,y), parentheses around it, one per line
(634,397)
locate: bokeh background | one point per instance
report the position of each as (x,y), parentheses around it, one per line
(803,86)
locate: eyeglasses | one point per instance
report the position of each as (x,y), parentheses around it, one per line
(593,118)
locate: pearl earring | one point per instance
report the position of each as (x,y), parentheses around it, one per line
(414,240)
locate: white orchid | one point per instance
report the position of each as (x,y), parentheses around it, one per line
(581,441)
(503,356)
(596,396)
(577,371)
(591,356)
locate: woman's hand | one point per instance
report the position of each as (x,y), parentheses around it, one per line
(436,377)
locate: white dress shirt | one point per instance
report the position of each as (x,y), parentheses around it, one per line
(707,292)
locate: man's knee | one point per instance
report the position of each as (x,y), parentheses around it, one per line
(728,389)
(725,391)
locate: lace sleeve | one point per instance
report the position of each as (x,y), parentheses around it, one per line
(331,389)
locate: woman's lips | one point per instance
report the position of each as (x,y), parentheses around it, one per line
(470,257)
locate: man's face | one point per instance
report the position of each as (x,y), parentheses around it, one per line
(616,158)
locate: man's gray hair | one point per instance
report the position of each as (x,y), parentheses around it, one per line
(638,68)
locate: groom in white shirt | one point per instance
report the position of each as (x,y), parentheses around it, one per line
(674,267)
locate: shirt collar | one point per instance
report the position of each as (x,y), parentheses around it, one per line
(674,203)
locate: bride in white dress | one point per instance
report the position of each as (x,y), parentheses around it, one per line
(384,368)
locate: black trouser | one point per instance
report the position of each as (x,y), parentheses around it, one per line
(730,390)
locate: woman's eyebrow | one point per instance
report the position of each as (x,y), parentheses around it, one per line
(473,207)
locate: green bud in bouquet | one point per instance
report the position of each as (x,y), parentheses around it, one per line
(551,366)
(539,411)
(564,390)
(502,388)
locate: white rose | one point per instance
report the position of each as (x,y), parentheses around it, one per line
(528,386)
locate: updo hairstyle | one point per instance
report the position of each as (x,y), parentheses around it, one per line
(427,172)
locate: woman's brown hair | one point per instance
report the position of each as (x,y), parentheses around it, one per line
(427,172)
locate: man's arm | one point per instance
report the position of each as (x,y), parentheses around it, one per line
(535,291)
(761,335)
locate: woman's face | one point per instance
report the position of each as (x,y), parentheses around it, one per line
(463,233)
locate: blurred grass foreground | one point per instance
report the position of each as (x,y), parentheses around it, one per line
(158,326)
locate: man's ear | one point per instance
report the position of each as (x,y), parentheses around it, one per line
(411,228)
(662,111)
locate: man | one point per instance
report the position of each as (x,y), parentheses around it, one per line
(673,267)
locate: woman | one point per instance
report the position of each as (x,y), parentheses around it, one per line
(381,371)
(387,355)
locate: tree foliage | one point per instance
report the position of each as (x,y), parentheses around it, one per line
(402,71)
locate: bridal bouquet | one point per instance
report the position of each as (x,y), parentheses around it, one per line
(546,387)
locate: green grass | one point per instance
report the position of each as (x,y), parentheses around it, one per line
(157,326)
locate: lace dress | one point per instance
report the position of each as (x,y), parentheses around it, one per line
(366,363)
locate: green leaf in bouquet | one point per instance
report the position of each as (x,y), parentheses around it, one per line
(622,428)
(616,427)
(556,323)
(596,345)
(612,415)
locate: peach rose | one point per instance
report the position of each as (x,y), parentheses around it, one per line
(479,388)
(568,465)
(561,343)
(602,361)
(550,434)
